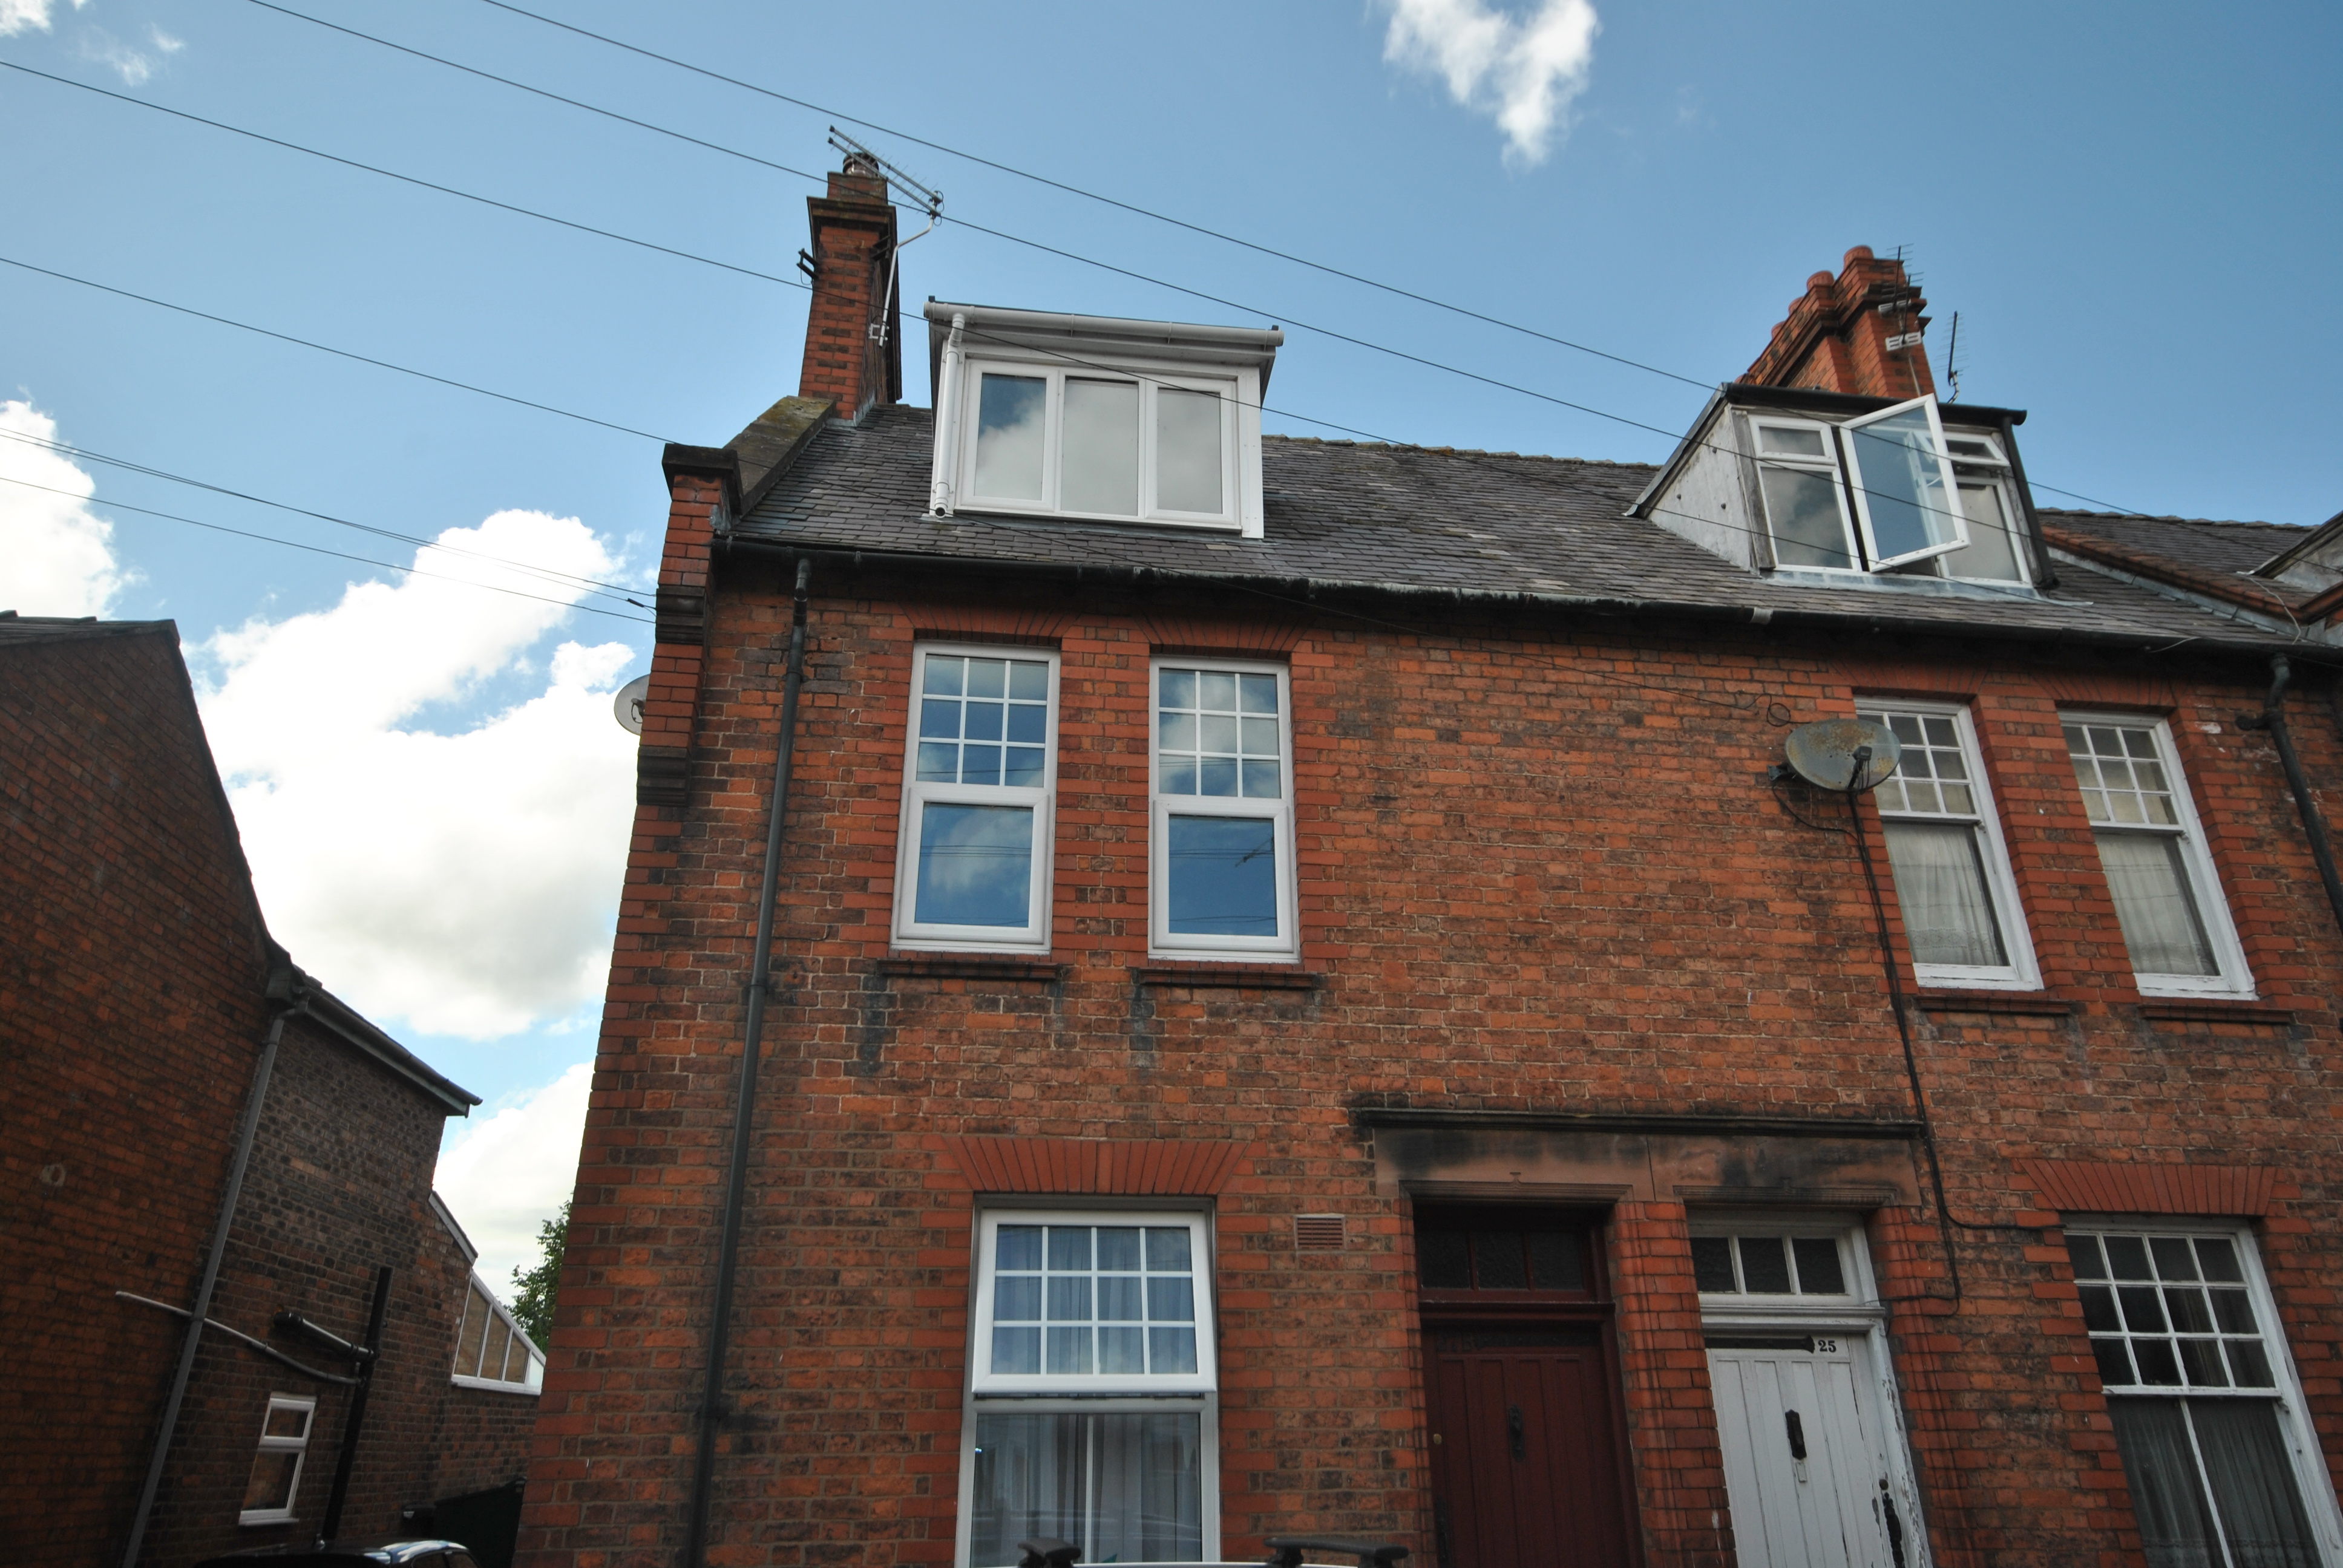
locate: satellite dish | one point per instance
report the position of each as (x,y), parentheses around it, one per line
(628,704)
(1823,753)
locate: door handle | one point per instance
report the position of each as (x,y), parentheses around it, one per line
(1797,1430)
(1514,1428)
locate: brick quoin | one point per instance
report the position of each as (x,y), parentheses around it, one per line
(1529,887)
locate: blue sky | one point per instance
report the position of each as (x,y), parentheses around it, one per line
(2134,211)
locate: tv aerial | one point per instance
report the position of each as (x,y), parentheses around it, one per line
(1849,756)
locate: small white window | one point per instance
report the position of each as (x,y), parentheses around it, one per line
(2208,1415)
(1952,873)
(1094,444)
(491,1349)
(276,1480)
(1222,830)
(1805,505)
(1093,1410)
(1770,1261)
(2174,920)
(973,870)
(1989,506)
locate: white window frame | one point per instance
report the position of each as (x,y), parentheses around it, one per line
(532,1381)
(1035,935)
(1286,946)
(297,1447)
(1235,390)
(1827,464)
(1097,1394)
(2234,978)
(2312,1479)
(2022,972)
(1878,561)
(1993,469)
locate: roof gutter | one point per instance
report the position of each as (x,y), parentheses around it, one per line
(1307,591)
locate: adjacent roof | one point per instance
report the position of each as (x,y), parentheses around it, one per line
(1421,521)
(25,628)
(2212,557)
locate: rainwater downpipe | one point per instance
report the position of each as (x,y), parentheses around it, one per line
(713,1408)
(2272,717)
(238,1164)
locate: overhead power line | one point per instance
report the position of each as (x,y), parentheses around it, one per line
(552,577)
(1093,195)
(328,349)
(1045,248)
(321,551)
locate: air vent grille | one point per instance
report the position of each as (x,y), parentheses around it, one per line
(1318,1232)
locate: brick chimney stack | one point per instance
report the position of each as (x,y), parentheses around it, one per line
(1858,333)
(854,344)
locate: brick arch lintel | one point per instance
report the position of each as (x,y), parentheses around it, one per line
(2109,1187)
(1116,1166)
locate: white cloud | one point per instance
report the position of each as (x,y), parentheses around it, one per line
(133,65)
(510,1173)
(464,881)
(1523,72)
(17,15)
(60,554)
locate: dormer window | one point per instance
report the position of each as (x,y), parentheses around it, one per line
(1097,418)
(1890,492)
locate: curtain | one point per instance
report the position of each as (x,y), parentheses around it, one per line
(2166,1496)
(1940,882)
(2253,1483)
(2160,922)
(1125,1487)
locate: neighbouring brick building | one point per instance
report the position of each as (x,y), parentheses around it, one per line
(139,993)
(1304,999)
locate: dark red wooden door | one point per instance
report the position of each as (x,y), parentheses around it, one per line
(1525,1461)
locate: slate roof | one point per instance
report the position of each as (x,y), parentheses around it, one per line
(1418,519)
(2193,552)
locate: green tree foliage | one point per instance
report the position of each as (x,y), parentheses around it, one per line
(534,1288)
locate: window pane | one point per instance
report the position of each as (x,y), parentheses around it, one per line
(286,1421)
(1223,876)
(1100,450)
(1167,1249)
(1712,1263)
(1070,1247)
(2084,1251)
(1940,882)
(1555,1261)
(1121,1298)
(270,1486)
(1069,1298)
(1170,1299)
(1765,1270)
(1017,1350)
(2254,1494)
(2166,1497)
(1819,1274)
(1018,1247)
(1990,552)
(1187,450)
(1802,510)
(1123,1349)
(976,866)
(1118,1247)
(492,1359)
(2161,924)
(2121,779)
(1125,1487)
(1009,412)
(1497,1260)
(1070,1351)
(476,1313)
(1797,442)
(1443,1261)
(1017,1298)
(1902,484)
(1172,1350)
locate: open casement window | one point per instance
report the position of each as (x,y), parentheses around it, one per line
(1953,880)
(276,1480)
(974,866)
(1906,495)
(1877,494)
(2208,1415)
(1092,1387)
(1090,442)
(1220,833)
(2175,921)
(492,1350)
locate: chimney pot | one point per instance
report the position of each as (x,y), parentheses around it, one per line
(1831,339)
(1858,253)
(1817,280)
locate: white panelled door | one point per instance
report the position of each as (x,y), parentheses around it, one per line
(1806,1465)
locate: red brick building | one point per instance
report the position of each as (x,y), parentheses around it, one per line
(1304,998)
(145,1015)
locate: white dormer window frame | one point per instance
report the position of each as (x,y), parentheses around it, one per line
(1906,512)
(1131,397)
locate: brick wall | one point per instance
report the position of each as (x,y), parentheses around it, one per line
(131,969)
(1542,869)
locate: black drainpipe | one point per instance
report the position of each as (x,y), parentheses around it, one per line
(713,1408)
(367,1356)
(2272,717)
(286,995)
